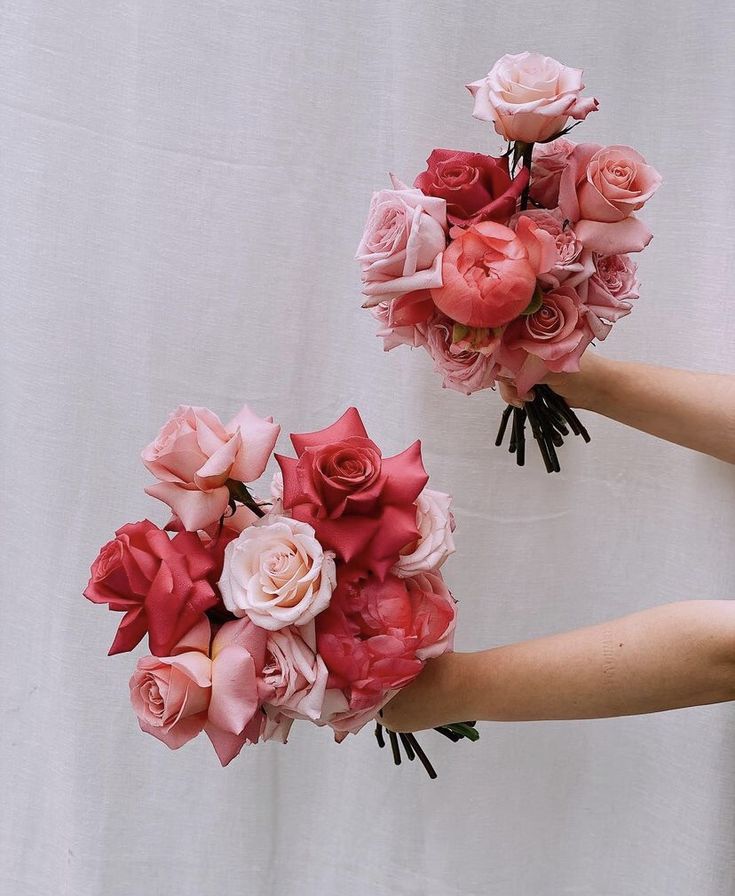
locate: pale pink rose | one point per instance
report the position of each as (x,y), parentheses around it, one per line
(194,455)
(549,160)
(171,694)
(295,673)
(435,544)
(530,97)
(235,717)
(404,321)
(277,486)
(613,287)
(574,262)
(600,189)
(401,248)
(277,573)
(465,371)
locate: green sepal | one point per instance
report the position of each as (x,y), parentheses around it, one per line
(536,302)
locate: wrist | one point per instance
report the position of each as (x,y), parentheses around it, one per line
(586,389)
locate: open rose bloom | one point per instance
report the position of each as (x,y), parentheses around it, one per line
(509,267)
(314,604)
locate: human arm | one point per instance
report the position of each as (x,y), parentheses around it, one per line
(668,657)
(696,410)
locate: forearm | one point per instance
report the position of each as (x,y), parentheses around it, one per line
(664,658)
(696,410)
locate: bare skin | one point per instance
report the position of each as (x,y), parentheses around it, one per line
(667,657)
(696,410)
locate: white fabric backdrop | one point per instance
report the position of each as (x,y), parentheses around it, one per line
(182,186)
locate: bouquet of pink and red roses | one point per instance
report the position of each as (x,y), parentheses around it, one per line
(318,604)
(507,272)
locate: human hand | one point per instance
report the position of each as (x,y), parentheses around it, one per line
(577,389)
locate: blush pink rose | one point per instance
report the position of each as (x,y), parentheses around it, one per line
(171,694)
(402,245)
(530,97)
(296,673)
(553,338)
(163,585)
(435,543)
(194,455)
(360,504)
(489,272)
(404,321)
(277,573)
(235,716)
(549,160)
(600,189)
(476,187)
(462,368)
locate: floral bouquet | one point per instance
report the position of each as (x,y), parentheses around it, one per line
(501,271)
(317,605)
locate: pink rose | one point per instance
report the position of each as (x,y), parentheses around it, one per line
(171,694)
(599,191)
(360,504)
(476,187)
(574,262)
(530,97)
(549,160)
(553,338)
(402,245)
(194,455)
(164,586)
(295,672)
(235,717)
(613,287)
(277,573)
(404,320)
(489,272)
(463,370)
(435,544)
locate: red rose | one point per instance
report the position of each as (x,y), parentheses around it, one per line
(476,187)
(163,585)
(361,505)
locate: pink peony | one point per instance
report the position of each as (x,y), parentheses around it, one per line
(489,272)
(530,97)
(402,245)
(194,455)
(360,504)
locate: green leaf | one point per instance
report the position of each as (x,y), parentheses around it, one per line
(465,731)
(536,302)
